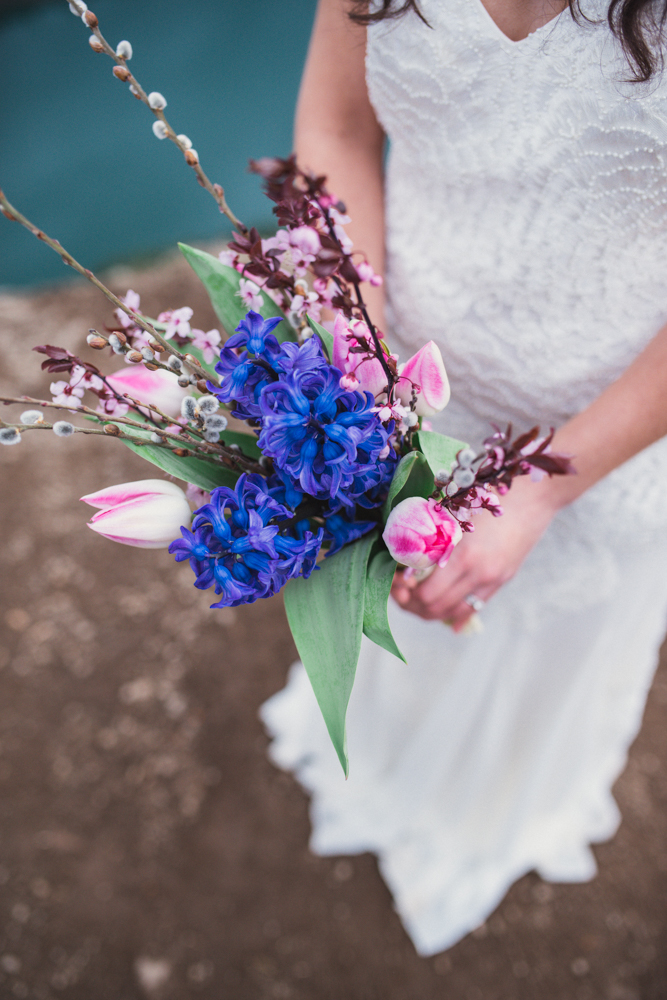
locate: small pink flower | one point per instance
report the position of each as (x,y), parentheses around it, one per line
(419,533)
(306,240)
(158,387)
(83,379)
(366,273)
(366,368)
(227,257)
(147,514)
(112,407)
(131,300)
(207,343)
(249,293)
(65,394)
(349,382)
(178,322)
(425,371)
(196,495)
(325,289)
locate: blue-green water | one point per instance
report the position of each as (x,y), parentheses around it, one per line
(77,154)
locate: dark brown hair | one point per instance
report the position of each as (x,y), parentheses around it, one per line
(638,25)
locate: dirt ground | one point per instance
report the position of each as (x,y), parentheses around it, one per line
(148,849)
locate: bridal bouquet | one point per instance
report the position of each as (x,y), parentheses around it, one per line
(308,462)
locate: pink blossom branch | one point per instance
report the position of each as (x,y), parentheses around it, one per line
(121,72)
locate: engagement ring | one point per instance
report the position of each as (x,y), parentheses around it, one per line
(475,602)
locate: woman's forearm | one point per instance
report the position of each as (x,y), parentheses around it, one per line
(337,133)
(627,417)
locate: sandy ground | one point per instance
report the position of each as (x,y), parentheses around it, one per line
(147,847)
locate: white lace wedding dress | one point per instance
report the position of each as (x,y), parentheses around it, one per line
(527,235)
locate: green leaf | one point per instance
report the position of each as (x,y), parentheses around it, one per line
(439,450)
(246,442)
(326,615)
(222,284)
(413,478)
(381,568)
(324,335)
(188,468)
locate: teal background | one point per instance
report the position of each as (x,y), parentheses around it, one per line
(77,154)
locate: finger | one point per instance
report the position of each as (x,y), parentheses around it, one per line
(461,615)
(444,601)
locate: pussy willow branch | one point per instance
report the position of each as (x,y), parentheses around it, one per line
(206,450)
(13,213)
(215,190)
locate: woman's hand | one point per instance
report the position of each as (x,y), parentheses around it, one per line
(484,560)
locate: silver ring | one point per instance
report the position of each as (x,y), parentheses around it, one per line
(475,602)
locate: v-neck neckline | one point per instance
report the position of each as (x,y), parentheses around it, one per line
(506,38)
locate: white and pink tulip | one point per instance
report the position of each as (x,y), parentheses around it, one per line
(158,387)
(420,534)
(425,371)
(147,514)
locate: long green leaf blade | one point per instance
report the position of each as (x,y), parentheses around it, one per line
(190,469)
(324,335)
(439,450)
(326,614)
(381,568)
(412,478)
(222,284)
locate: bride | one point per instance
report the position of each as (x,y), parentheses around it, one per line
(521,223)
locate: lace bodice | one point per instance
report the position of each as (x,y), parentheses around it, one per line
(526,224)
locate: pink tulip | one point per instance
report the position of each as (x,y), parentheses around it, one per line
(370,374)
(420,534)
(148,513)
(426,372)
(160,388)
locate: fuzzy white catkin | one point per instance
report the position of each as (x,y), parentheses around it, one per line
(463,478)
(211,435)
(9,435)
(160,129)
(184,141)
(208,404)
(63,428)
(175,363)
(124,50)
(193,152)
(95,43)
(156,101)
(81,11)
(466,457)
(189,408)
(216,422)
(32,417)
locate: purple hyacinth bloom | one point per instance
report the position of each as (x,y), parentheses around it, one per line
(339,530)
(241,544)
(242,378)
(324,439)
